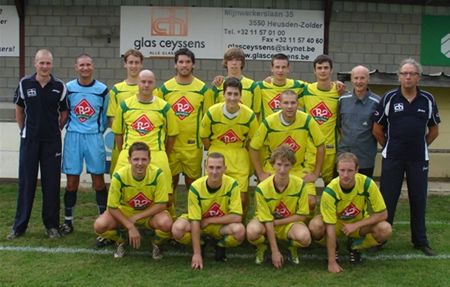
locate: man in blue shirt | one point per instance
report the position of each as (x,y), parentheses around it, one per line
(406,123)
(41,111)
(88,100)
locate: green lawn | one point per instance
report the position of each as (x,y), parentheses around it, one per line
(33,260)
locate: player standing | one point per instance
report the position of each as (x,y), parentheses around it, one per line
(234,62)
(294,128)
(133,63)
(88,100)
(270,91)
(189,98)
(148,119)
(227,128)
(320,100)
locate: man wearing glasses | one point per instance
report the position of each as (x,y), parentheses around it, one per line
(405,124)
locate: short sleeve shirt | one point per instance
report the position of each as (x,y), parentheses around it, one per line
(204,204)
(42,107)
(405,124)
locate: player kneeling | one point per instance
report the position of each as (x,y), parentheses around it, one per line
(138,197)
(281,209)
(344,209)
(214,210)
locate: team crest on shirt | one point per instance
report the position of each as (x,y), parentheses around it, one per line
(31,92)
(351,211)
(213,211)
(139,202)
(182,108)
(281,211)
(398,107)
(274,103)
(291,143)
(143,125)
(321,113)
(84,111)
(229,137)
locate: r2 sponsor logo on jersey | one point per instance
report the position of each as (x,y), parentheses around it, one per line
(321,113)
(281,211)
(213,211)
(139,202)
(143,125)
(229,137)
(84,111)
(274,103)
(182,108)
(291,143)
(351,211)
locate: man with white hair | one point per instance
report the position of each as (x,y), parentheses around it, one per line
(355,123)
(406,123)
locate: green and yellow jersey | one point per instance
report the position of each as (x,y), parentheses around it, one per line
(189,103)
(323,107)
(226,133)
(352,205)
(272,133)
(271,204)
(249,97)
(130,194)
(146,122)
(203,204)
(118,93)
(269,94)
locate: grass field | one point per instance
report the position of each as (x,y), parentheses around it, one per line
(34,260)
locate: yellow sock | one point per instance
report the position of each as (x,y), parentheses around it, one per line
(258,241)
(112,235)
(228,241)
(365,242)
(161,236)
(186,239)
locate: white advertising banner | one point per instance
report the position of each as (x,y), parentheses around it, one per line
(209,32)
(9,31)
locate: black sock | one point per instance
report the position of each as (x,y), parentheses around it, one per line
(70,199)
(101,196)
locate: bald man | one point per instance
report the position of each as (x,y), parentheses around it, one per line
(354,121)
(149,119)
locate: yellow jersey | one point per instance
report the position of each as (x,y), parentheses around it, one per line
(203,204)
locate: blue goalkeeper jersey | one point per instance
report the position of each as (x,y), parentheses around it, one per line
(88,105)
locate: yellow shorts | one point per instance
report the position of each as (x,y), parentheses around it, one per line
(339,233)
(237,162)
(188,162)
(158,158)
(143,222)
(282,231)
(212,230)
(328,166)
(114,156)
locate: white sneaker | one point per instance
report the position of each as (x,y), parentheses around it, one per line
(120,251)
(156,252)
